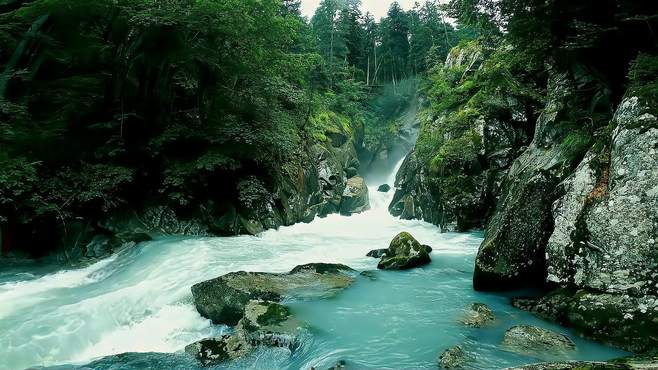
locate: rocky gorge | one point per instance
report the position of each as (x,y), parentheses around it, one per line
(228,184)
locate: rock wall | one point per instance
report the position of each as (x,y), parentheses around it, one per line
(461,197)
(512,254)
(602,252)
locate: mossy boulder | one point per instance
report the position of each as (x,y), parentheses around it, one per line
(536,342)
(478,315)
(404,252)
(223,299)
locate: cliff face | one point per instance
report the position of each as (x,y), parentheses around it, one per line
(590,232)
(570,204)
(453,177)
(603,251)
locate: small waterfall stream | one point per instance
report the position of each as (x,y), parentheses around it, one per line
(139,301)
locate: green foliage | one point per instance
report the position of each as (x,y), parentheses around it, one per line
(643,78)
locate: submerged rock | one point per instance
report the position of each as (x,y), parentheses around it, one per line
(536,342)
(404,253)
(478,315)
(384,188)
(355,197)
(453,358)
(340,365)
(223,299)
(213,351)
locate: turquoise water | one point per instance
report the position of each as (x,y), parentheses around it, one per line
(140,301)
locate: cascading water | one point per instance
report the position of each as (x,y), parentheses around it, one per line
(139,301)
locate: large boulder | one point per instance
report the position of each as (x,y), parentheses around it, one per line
(404,253)
(478,315)
(536,342)
(513,252)
(355,197)
(223,299)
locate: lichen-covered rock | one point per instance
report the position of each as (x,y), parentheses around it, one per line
(606,234)
(453,358)
(536,342)
(478,315)
(616,319)
(223,299)
(355,197)
(404,253)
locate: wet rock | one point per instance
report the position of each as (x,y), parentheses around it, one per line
(377,253)
(213,351)
(478,315)
(351,172)
(513,252)
(404,253)
(223,299)
(268,324)
(355,197)
(453,358)
(385,188)
(536,342)
(621,320)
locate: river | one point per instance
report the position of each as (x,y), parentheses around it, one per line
(139,301)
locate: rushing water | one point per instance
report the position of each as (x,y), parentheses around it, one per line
(139,301)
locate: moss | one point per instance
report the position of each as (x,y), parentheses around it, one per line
(275,314)
(643,80)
